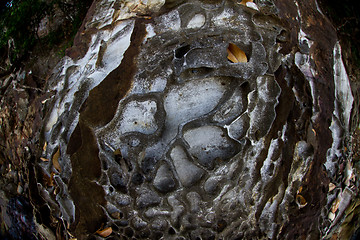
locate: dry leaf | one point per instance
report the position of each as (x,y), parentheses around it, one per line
(55,160)
(300,200)
(49,180)
(331,187)
(105,232)
(244,2)
(44,159)
(45,145)
(336,204)
(235,54)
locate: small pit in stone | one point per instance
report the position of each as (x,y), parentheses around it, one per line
(181,52)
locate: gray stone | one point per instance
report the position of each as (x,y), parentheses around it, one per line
(187,171)
(164,179)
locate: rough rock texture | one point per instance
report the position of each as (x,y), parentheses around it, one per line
(155,133)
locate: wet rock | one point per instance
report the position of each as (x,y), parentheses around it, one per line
(204,147)
(164,180)
(231,109)
(208,143)
(211,184)
(118,182)
(138,116)
(188,172)
(146,198)
(238,128)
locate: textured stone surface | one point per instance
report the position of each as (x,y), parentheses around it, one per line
(155,122)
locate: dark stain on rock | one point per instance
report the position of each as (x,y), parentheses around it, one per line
(304,221)
(87,195)
(98,110)
(101,105)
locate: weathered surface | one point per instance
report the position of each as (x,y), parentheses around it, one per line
(160,135)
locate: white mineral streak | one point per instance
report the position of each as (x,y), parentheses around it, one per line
(302,61)
(303,39)
(343,93)
(76,73)
(342,110)
(113,42)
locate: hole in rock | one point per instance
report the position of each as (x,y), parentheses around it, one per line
(181,52)
(171,231)
(129,232)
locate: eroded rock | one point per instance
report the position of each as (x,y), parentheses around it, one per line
(185,142)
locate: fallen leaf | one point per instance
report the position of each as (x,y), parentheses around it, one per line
(244,2)
(55,160)
(44,159)
(314,131)
(45,145)
(49,181)
(331,187)
(105,232)
(336,204)
(301,201)
(235,54)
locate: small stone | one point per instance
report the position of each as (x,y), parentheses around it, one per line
(188,172)
(147,198)
(211,185)
(118,182)
(137,179)
(208,143)
(138,223)
(239,127)
(164,180)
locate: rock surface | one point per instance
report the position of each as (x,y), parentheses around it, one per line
(154,132)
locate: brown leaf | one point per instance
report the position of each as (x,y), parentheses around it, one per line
(235,54)
(301,201)
(55,160)
(243,2)
(331,187)
(49,181)
(44,159)
(336,204)
(45,145)
(105,232)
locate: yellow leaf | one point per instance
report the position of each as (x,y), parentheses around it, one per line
(105,232)
(300,200)
(331,187)
(44,159)
(45,145)
(55,160)
(235,54)
(243,2)
(336,204)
